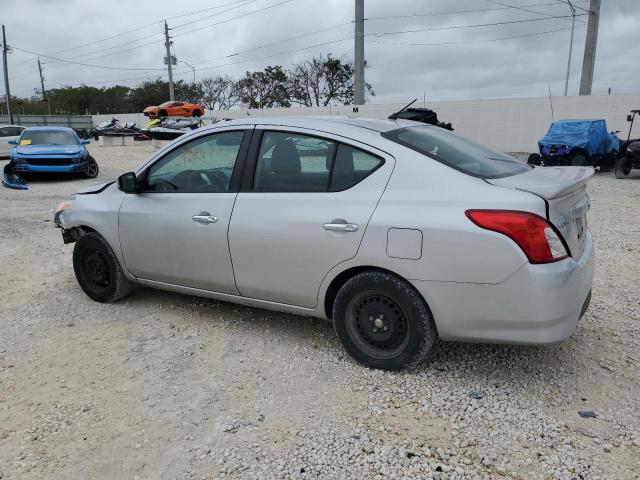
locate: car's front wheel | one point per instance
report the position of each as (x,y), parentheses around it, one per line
(91,169)
(383,322)
(97,269)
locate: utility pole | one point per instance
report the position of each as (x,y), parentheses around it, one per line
(359,54)
(167,44)
(6,76)
(589,60)
(192,68)
(573,24)
(44,93)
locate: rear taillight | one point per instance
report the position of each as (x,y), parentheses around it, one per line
(534,235)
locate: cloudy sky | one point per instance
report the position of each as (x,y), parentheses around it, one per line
(442,47)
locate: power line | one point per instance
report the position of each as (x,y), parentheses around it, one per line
(455,27)
(297,37)
(521,8)
(456,12)
(576,6)
(232,18)
(83,64)
(242,2)
(474,41)
(160,41)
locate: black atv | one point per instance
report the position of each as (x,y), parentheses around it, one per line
(629,157)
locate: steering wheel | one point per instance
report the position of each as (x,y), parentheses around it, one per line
(200,181)
(165,185)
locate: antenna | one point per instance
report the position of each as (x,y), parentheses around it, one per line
(393,116)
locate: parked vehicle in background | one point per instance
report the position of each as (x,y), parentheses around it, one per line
(52,150)
(8,133)
(629,157)
(175,109)
(578,143)
(398,231)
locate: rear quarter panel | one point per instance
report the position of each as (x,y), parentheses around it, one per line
(428,196)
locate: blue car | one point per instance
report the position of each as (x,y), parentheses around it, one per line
(48,150)
(577,142)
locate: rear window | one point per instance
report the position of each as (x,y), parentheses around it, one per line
(457,152)
(51,137)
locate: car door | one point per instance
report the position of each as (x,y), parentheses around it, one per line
(303,209)
(175,230)
(6,134)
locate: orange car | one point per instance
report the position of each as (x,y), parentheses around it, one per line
(174,109)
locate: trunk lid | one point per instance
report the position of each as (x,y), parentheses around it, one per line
(565,191)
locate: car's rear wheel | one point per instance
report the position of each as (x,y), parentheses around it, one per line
(383,322)
(97,269)
(622,167)
(579,160)
(197,113)
(534,159)
(91,170)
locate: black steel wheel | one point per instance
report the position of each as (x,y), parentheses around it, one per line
(91,170)
(97,269)
(622,167)
(383,322)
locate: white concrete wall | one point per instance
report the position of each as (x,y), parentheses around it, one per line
(508,125)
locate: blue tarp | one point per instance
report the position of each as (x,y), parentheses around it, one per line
(590,135)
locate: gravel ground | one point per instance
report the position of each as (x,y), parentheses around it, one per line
(167,386)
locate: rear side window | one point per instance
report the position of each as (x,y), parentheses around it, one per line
(352,166)
(457,152)
(293,162)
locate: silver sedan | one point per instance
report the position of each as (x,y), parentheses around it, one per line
(396,231)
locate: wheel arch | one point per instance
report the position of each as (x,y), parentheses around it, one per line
(344,276)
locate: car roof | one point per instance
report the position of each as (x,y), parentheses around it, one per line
(332,124)
(10,125)
(51,129)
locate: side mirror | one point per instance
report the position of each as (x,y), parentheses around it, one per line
(128,183)
(13,141)
(629,118)
(85,141)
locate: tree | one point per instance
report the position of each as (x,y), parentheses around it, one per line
(266,89)
(321,81)
(219,93)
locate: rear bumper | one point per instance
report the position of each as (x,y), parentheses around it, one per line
(538,304)
(70,168)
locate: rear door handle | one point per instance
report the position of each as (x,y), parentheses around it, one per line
(204,218)
(341,227)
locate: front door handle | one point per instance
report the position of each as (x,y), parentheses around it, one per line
(341,227)
(204,218)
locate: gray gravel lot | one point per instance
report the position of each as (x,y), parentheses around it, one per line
(167,386)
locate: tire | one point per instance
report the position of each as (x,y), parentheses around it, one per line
(405,333)
(98,271)
(91,170)
(534,159)
(579,160)
(197,113)
(162,113)
(622,168)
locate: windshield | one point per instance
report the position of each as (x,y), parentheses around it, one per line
(457,152)
(50,137)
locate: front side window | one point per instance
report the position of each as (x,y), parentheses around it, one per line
(202,165)
(457,152)
(293,162)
